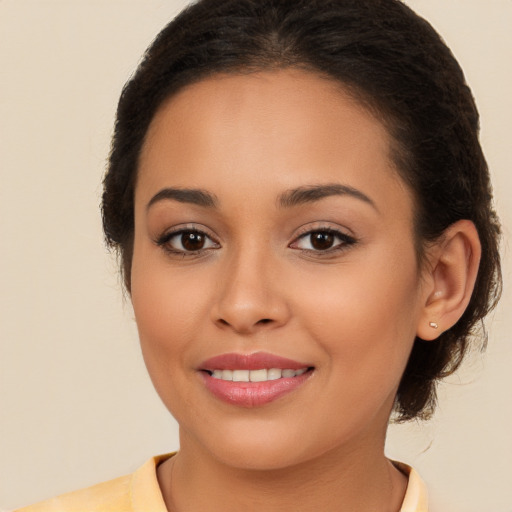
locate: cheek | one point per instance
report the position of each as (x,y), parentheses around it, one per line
(166,302)
(364,314)
(159,301)
(165,332)
(160,311)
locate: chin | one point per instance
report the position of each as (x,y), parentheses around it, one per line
(260,456)
(265,445)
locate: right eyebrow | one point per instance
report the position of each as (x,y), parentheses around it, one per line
(185,195)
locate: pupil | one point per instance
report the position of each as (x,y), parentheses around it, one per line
(192,241)
(322,240)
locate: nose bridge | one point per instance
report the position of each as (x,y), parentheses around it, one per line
(249,296)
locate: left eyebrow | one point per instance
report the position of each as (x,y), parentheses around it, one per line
(312,193)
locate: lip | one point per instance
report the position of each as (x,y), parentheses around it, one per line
(252,394)
(254,361)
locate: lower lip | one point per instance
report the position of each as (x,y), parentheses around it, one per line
(253,394)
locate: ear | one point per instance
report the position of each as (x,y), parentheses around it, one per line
(449,279)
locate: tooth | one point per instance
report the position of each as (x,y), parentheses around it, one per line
(261,375)
(241,375)
(258,375)
(227,375)
(274,374)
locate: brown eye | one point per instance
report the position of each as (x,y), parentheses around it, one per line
(192,240)
(322,240)
(186,241)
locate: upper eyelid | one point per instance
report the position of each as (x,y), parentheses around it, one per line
(163,242)
(176,230)
(323,226)
(339,232)
(303,231)
(344,237)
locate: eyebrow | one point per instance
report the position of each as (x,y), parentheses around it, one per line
(195,196)
(288,199)
(312,193)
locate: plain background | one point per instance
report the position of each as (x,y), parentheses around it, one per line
(76,404)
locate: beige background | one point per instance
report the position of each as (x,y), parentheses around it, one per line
(75,402)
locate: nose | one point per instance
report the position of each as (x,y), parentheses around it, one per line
(250,296)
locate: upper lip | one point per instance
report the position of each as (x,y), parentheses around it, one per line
(255,361)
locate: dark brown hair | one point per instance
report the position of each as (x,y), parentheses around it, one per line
(395,63)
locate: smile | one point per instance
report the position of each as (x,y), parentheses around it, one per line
(262,375)
(253,380)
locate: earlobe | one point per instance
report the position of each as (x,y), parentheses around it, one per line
(453,268)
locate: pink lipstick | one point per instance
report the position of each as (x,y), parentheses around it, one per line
(251,380)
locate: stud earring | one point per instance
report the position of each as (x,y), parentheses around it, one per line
(433,325)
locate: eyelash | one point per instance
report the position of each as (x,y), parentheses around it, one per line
(345,241)
(164,242)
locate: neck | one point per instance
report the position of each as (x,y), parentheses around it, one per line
(359,480)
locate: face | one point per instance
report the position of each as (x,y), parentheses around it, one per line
(272,233)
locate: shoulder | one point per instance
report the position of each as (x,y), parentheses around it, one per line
(113,495)
(416,496)
(137,492)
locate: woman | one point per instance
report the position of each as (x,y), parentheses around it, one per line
(303,214)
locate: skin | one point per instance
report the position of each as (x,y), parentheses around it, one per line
(259,285)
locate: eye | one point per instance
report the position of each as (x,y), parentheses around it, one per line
(186,241)
(323,240)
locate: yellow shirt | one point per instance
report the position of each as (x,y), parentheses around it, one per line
(139,492)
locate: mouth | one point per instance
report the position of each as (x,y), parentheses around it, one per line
(253,380)
(261,375)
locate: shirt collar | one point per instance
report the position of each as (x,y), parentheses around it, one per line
(145,492)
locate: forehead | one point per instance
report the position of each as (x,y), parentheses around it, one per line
(279,129)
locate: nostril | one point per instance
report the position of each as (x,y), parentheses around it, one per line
(242,326)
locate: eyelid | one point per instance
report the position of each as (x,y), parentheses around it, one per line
(346,240)
(312,227)
(163,239)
